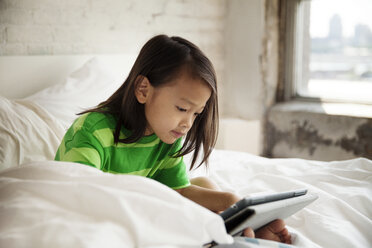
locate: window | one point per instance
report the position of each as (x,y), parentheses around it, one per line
(329,49)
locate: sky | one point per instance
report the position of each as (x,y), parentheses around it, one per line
(352,12)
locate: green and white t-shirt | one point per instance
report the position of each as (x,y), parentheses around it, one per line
(90,141)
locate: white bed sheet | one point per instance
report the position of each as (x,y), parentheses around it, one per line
(341,217)
(51,204)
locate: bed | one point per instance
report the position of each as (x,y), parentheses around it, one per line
(45,203)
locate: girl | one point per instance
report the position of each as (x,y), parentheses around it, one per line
(170,93)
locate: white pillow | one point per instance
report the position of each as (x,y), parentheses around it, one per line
(27,133)
(83,89)
(32,128)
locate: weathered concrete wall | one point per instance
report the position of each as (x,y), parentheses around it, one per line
(305,131)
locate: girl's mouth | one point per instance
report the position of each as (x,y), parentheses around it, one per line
(177,134)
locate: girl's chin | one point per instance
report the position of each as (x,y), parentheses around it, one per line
(168,140)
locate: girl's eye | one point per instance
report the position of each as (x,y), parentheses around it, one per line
(181,109)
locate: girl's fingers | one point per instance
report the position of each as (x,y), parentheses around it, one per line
(248,232)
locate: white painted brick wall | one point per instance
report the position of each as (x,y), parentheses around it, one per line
(110,26)
(49,27)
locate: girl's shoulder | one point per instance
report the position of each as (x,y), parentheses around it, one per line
(95,120)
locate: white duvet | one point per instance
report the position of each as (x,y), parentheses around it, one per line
(57,204)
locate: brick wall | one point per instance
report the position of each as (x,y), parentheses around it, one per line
(48,27)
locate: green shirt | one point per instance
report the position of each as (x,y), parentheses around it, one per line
(90,141)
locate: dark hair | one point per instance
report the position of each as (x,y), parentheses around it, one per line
(160,60)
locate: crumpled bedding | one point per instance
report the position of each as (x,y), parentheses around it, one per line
(59,204)
(341,217)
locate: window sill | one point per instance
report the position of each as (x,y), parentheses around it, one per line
(318,131)
(326,108)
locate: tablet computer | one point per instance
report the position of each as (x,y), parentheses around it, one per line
(258,211)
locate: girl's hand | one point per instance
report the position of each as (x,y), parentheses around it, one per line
(214,200)
(275,230)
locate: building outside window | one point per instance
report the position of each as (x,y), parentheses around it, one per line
(331,52)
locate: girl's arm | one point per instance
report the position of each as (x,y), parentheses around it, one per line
(214,200)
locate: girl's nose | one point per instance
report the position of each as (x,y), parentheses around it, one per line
(187,121)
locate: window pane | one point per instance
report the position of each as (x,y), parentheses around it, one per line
(340,61)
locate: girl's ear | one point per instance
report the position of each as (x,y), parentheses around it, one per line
(143,89)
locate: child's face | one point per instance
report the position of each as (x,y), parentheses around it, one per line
(171,109)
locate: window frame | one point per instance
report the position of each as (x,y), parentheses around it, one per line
(289,39)
(295,19)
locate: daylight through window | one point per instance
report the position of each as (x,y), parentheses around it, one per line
(336,50)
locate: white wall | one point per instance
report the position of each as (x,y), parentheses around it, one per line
(228,31)
(243,88)
(243,91)
(240,135)
(46,27)
(85,26)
